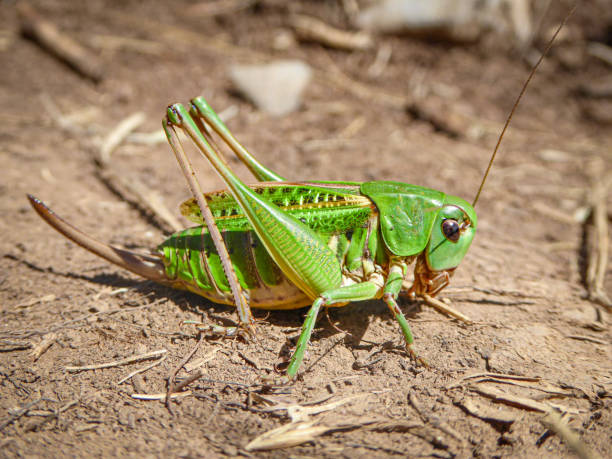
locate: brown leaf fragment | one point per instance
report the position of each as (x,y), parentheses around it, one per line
(292,434)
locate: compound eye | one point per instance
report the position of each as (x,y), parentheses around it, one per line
(450,228)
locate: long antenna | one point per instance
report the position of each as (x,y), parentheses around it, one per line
(518,99)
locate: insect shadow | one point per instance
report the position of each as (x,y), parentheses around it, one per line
(352,320)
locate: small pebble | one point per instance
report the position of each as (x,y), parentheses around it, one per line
(274,88)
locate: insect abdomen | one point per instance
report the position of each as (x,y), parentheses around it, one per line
(190,256)
(192,262)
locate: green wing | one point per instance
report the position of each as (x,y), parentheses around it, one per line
(325,209)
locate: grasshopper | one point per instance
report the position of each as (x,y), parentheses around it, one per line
(279,244)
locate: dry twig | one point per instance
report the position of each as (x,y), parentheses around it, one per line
(118,363)
(446,309)
(383,56)
(590,339)
(118,135)
(48,36)
(503,376)
(599,241)
(189,367)
(516,401)
(172,387)
(160,396)
(312,29)
(600,51)
(43,346)
(486,413)
(555,422)
(142,370)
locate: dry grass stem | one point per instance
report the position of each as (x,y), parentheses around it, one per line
(217,7)
(151,200)
(486,413)
(118,363)
(516,401)
(588,338)
(551,212)
(308,28)
(118,135)
(600,51)
(383,56)
(190,366)
(171,379)
(147,138)
(394,426)
(503,376)
(598,249)
(547,388)
(50,38)
(160,396)
(446,309)
(142,370)
(556,423)
(188,380)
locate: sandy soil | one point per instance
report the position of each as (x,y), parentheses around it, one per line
(522,282)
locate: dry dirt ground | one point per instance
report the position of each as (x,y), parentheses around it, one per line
(521,284)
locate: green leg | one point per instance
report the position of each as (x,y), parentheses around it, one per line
(355,292)
(299,251)
(201,109)
(244,311)
(391,291)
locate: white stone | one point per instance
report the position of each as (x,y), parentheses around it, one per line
(275,88)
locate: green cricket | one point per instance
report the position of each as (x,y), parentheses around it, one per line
(279,244)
